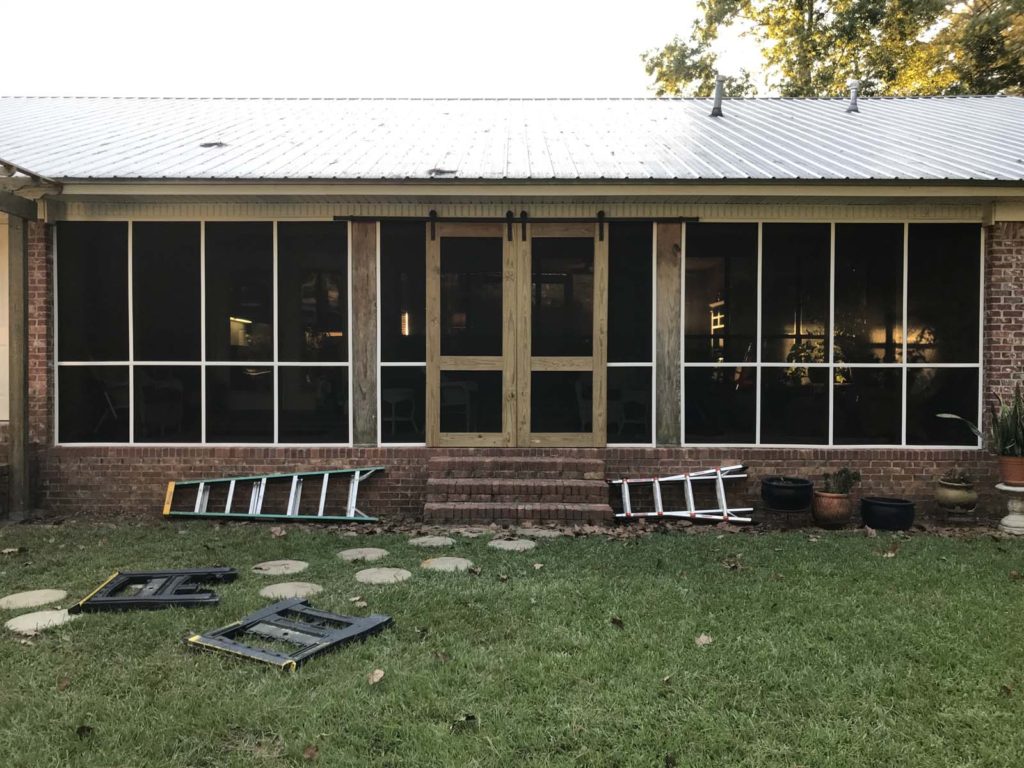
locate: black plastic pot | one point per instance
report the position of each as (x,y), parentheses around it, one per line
(887,514)
(787,494)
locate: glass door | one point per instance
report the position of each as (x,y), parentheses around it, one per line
(562,295)
(470,335)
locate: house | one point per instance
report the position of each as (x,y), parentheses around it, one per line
(503,301)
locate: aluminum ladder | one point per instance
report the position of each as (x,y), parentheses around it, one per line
(719,475)
(257,485)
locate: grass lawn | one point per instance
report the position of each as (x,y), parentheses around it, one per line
(824,653)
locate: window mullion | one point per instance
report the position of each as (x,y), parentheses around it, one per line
(757,339)
(275,334)
(831,332)
(903,365)
(202,330)
(131,337)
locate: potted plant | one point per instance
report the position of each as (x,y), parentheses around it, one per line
(1005,436)
(955,492)
(786,494)
(832,506)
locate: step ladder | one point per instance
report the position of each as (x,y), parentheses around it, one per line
(155,589)
(719,475)
(257,488)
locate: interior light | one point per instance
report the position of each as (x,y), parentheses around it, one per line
(243,320)
(405,323)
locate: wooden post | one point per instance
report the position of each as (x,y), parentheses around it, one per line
(364,333)
(668,387)
(18,488)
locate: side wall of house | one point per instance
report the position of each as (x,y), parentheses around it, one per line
(132,479)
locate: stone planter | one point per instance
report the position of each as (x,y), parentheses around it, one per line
(956,497)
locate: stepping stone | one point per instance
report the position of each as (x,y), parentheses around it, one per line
(280,567)
(369,554)
(287,589)
(512,545)
(447,564)
(382,575)
(32,598)
(30,624)
(472,532)
(540,533)
(432,541)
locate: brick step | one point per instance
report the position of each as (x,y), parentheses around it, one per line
(513,490)
(502,512)
(516,467)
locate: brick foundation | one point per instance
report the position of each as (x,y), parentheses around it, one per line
(131,480)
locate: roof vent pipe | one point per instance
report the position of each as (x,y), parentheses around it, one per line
(853,85)
(716,110)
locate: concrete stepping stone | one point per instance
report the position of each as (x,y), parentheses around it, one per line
(382,575)
(540,533)
(280,567)
(32,598)
(30,624)
(512,545)
(432,541)
(287,589)
(447,564)
(368,554)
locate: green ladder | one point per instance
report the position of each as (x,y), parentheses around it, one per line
(258,490)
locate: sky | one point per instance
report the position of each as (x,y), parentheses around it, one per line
(442,48)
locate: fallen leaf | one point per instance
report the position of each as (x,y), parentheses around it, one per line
(538,566)
(703,639)
(422,632)
(310,752)
(465,723)
(63,683)
(670,761)
(813,538)
(1006,689)
(870,532)
(84,731)
(668,678)
(355,599)
(277,532)
(617,622)
(375,677)
(1015,575)
(443,657)
(502,577)
(891,551)
(733,563)
(11,551)
(474,569)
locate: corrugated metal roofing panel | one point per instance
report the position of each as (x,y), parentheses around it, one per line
(912,139)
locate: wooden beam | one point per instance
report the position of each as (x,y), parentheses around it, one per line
(668,335)
(18,489)
(17,206)
(364,333)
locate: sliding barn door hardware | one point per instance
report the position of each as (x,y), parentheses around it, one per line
(154,589)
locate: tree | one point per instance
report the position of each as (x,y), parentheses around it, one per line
(812,47)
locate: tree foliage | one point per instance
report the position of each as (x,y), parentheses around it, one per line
(813,47)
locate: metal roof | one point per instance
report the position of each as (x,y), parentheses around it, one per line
(889,139)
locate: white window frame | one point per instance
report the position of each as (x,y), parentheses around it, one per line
(903,366)
(202,364)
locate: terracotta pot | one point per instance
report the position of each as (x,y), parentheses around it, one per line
(956,497)
(832,508)
(1011,470)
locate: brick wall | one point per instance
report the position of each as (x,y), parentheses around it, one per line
(131,480)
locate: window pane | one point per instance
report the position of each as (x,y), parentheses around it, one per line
(794,292)
(239,404)
(403,292)
(562,296)
(721,292)
(92,290)
(629,405)
(471,293)
(561,401)
(630,247)
(168,404)
(403,404)
(239,291)
(868,406)
(943,270)
(720,405)
(312,291)
(471,401)
(941,390)
(314,404)
(93,404)
(165,290)
(794,405)
(869,293)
